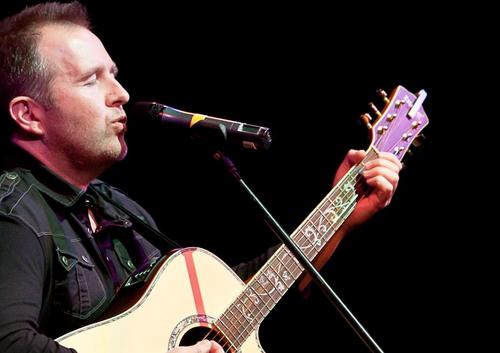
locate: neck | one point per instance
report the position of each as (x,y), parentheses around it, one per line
(69,170)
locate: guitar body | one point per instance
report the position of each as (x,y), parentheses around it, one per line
(189,290)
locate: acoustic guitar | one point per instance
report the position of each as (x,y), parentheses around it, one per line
(192,294)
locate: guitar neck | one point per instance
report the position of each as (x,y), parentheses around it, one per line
(280,272)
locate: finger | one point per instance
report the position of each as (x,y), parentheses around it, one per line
(216,348)
(202,346)
(382,188)
(354,156)
(389,161)
(384,172)
(391,157)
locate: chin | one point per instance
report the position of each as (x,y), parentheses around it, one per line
(122,153)
(118,150)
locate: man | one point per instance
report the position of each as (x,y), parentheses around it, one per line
(64,249)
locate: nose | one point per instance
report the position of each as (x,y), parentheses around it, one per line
(117,95)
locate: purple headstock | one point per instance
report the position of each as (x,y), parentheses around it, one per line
(400,122)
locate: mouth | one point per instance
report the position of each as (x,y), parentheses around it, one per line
(121,122)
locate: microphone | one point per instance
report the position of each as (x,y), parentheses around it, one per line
(208,128)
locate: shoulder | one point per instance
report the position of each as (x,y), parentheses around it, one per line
(13,187)
(18,198)
(22,203)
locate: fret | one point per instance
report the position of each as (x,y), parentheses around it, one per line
(309,246)
(247,309)
(260,294)
(289,270)
(311,233)
(326,211)
(288,255)
(220,322)
(320,222)
(276,280)
(243,321)
(255,301)
(240,318)
(261,280)
(265,279)
(254,297)
(329,214)
(245,330)
(311,230)
(230,325)
(311,227)
(264,298)
(267,302)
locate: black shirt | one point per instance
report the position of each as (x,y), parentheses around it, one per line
(56,274)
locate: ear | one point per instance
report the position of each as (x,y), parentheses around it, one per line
(26,113)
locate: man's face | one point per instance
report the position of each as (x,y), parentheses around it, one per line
(86,123)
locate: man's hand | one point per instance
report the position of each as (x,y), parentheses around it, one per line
(381,175)
(204,346)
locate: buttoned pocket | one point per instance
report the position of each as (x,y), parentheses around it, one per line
(79,290)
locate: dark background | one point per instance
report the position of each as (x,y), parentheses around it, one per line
(307,73)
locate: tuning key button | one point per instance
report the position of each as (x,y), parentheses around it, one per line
(374,109)
(383,94)
(366,118)
(416,124)
(407,136)
(398,150)
(382,129)
(399,103)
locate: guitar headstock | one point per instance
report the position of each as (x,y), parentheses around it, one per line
(400,122)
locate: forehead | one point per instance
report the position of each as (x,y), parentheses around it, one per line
(72,49)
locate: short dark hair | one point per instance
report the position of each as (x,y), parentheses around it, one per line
(22,70)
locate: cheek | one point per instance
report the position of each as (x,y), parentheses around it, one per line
(80,111)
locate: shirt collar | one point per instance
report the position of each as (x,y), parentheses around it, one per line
(43,178)
(55,187)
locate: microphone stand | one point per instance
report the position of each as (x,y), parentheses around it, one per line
(299,255)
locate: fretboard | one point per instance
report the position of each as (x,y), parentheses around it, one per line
(280,272)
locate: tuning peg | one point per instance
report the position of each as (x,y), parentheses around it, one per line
(399,103)
(366,118)
(374,109)
(418,141)
(383,95)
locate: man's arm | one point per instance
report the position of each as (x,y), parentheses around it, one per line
(22,267)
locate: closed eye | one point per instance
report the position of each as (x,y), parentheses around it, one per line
(91,80)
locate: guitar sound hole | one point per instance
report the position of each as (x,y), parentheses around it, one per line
(196,334)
